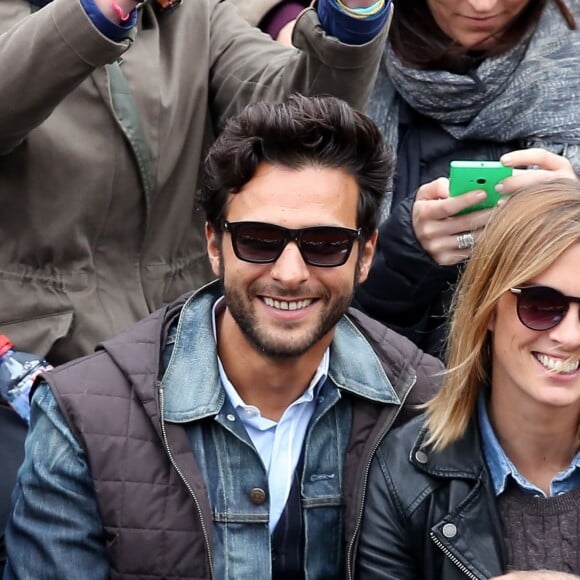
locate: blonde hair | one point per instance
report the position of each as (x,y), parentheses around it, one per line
(523,238)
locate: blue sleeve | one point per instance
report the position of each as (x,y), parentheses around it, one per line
(354,31)
(113,31)
(55,530)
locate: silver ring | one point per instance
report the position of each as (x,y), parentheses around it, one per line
(465,241)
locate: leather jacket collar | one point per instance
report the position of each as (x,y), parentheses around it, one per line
(456,460)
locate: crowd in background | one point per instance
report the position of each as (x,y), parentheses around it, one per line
(116,200)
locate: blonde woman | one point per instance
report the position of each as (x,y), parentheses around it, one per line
(487,483)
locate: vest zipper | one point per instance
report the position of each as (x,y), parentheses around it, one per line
(186,483)
(387,426)
(453,558)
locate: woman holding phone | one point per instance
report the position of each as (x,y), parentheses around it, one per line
(488,480)
(464,80)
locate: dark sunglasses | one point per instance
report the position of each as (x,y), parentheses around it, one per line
(541,307)
(263,243)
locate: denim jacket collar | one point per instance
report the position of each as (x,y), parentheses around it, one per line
(192,384)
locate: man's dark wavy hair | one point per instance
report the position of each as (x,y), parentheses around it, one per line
(299,132)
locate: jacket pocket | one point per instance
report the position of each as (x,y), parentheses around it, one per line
(33,315)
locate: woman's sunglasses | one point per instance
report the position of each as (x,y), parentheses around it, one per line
(541,307)
(263,243)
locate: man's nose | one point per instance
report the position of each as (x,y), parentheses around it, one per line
(290,268)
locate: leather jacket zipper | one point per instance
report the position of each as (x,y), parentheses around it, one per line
(365,478)
(182,477)
(453,558)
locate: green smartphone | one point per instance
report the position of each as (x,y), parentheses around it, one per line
(465,176)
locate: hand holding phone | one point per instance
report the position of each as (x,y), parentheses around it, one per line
(465,176)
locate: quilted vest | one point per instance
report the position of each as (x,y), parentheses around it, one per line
(152,501)
(153,525)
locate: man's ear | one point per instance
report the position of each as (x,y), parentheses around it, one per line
(213,248)
(366,258)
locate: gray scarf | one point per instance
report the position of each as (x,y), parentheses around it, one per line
(531,94)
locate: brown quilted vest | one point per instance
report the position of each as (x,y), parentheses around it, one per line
(155,526)
(152,524)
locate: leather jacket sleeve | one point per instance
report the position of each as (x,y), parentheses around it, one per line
(406,290)
(384,551)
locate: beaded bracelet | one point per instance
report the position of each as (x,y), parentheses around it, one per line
(362,12)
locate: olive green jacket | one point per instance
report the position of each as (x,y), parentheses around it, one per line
(88,243)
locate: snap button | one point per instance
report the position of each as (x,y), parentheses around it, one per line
(421,457)
(449,530)
(258,496)
(230,417)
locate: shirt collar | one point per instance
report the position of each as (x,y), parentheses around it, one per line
(501,468)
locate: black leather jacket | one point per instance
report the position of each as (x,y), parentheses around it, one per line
(430,515)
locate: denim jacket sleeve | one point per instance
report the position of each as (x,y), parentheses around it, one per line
(55,529)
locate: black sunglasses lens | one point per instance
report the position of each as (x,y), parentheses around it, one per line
(541,308)
(259,243)
(326,246)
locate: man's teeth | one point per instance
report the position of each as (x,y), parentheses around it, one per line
(284,305)
(557,365)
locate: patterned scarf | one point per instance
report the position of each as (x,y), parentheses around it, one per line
(531,93)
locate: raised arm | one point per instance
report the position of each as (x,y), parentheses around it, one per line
(43,58)
(246,65)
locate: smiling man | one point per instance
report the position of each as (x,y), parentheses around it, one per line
(229,435)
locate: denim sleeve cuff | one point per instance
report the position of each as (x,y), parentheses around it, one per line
(113,31)
(355,31)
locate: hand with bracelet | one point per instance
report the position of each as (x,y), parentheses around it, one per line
(278,18)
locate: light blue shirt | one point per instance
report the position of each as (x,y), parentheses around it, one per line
(501,469)
(278,444)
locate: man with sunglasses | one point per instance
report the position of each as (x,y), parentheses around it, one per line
(229,435)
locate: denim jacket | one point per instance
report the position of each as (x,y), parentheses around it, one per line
(56,529)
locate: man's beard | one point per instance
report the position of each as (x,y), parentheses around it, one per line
(276,346)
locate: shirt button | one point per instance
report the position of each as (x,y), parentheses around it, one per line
(449,530)
(258,496)
(421,457)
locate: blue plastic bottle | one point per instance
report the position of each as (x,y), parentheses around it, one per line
(17,373)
